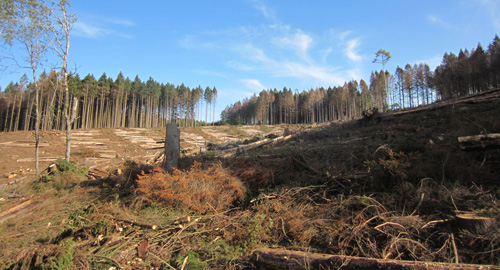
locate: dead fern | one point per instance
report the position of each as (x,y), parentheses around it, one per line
(200,190)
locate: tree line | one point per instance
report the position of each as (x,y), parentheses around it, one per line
(411,86)
(104,102)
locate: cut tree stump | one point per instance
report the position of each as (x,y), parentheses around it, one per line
(268,259)
(474,223)
(476,142)
(172,147)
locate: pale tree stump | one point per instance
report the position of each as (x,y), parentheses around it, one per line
(172,147)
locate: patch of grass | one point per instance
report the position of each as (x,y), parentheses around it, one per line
(265,129)
(234,130)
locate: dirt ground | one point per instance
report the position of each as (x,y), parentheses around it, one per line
(103,148)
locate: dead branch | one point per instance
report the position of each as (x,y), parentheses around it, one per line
(142,225)
(268,197)
(434,222)
(455,252)
(107,258)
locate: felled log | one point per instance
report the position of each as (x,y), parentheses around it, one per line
(97,174)
(232,151)
(267,259)
(14,209)
(476,142)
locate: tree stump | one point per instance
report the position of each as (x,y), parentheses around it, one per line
(172,147)
(475,223)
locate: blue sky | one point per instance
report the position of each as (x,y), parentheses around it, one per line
(244,46)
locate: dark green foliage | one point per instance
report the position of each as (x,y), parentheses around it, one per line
(193,261)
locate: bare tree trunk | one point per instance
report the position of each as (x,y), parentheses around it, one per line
(69,121)
(18,116)
(11,125)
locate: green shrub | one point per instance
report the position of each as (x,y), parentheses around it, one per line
(193,261)
(63,165)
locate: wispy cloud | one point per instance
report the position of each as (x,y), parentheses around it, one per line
(253,84)
(266,11)
(211,73)
(493,10)
(123,22)
(299,42)
(351,50)
(316,74)
(437,20)
(101,28)
(239,66)
(278,50)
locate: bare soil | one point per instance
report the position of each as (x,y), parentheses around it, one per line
(104,148)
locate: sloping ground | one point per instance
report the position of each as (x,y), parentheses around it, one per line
(396,186)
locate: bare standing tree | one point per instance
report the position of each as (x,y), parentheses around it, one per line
(382,57)
(60,27)
(24,24)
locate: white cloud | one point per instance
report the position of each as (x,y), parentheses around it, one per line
(493,10)
(253,53)
(267,12)
(123,22)
(351,50)
(319,74)
(437,20)
(239,66)
(344,34)
(326,53)
(299,42)
(212,73)
(253,84)
(83,29)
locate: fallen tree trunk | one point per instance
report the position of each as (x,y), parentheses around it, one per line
(14,209)
(267,258)
(483,141)
(232,151)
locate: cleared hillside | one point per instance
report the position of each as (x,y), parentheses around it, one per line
(390,186)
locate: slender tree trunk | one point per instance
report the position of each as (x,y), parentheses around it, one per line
(18,116)
(27,117)
(11,124)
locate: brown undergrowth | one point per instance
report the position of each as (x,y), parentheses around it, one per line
(200,190)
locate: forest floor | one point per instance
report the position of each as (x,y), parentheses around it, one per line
(396,185)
